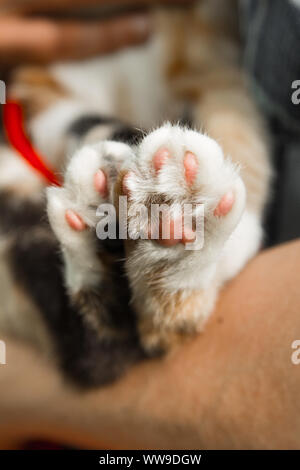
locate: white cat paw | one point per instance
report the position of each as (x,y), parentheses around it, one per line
(88,182)
(183,169)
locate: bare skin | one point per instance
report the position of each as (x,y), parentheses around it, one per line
(26,38)
(234,386)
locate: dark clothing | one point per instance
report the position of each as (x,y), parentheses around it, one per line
(271,33)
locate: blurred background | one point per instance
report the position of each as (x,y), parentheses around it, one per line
(41,31)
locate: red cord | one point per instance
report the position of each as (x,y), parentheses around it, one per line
(14,128)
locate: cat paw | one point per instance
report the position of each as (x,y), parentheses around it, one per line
(88,182)
(199,190)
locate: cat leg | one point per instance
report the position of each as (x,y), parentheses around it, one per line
(93,269)
(175,277)
(72,210)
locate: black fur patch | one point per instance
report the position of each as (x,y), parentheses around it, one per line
(85,123)
(122,133)
(86,357)
(112,246)
(17,213)
(127,135)
(187,118)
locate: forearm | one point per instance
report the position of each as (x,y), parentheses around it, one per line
(234,386)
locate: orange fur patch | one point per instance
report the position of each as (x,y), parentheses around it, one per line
(35,89)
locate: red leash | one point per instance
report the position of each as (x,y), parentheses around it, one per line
(14,127)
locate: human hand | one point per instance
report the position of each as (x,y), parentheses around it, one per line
(26,37)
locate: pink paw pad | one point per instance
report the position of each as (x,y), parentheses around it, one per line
(225,205)
(74,220)
(160,158)
(100,183)
(175,227)
(190,167)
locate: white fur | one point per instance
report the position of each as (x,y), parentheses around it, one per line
(49,127)
(99,82)
(243,244)
(229,241)
(216,176)
(82,265)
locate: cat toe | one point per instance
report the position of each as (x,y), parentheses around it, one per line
(225,205)
(190,163)
(100,183)
(74,220)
